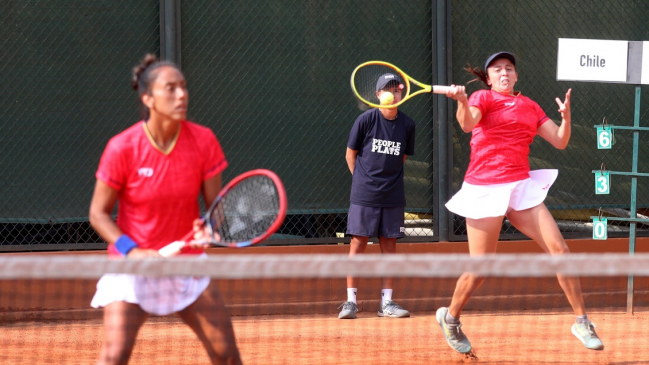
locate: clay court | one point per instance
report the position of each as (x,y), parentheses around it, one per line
(505,338)
(509,321)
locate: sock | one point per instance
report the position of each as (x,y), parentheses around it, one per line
(582,319)
(451,320)
(386,295)
(351,295)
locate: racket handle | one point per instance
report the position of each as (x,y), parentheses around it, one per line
(438,89)
(171,249)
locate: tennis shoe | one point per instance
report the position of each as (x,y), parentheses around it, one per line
(349,310)
(453,333)
(585,332)
(392,310)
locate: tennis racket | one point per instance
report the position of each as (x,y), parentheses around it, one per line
(247,210)
(364,77)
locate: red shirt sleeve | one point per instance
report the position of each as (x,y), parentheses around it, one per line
(215,161)
(541,117)
(479,100)
(112,166)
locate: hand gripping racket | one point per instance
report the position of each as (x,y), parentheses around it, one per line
(364,77)
(248,210)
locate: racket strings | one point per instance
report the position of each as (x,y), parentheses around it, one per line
(365,79)
(247,211)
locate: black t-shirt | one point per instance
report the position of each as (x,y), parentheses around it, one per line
(381,144)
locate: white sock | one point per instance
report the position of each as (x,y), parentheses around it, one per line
(386,295)
(452,320)
(351,295)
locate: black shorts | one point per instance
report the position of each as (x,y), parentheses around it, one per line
(376,222)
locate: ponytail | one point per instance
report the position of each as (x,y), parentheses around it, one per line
(480,74)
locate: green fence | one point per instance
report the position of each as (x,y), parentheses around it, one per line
(272,80)
(65,70)
(530,30)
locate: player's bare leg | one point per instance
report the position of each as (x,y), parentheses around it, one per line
(210,320)
(483,238)
(122,322)
(538,224)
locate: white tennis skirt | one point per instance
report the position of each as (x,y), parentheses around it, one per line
(155,295)
(482,201)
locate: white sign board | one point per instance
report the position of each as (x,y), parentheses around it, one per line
(592,60)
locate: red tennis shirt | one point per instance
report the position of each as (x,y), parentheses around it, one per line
(157,191)
(500,143)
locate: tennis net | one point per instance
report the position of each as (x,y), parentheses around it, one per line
(284,308)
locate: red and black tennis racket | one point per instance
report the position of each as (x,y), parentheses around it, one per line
(249,209)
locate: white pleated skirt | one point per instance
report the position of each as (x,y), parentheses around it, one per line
(482,201)
(155,295)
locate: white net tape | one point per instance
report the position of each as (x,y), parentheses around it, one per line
(327,265)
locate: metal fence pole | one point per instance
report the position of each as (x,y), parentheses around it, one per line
(634,186)
(441,74)
(170,31)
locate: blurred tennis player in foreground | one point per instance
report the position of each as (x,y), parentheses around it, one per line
(499,183)
(376,151)
(156,169)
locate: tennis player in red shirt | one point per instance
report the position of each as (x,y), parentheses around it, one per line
(156,169)
(499,183)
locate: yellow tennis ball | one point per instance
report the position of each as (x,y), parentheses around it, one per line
(387,98)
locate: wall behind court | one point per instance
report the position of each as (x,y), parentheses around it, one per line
(272,80)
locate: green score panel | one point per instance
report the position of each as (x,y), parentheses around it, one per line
(602,183)
(600,229)
(604,138)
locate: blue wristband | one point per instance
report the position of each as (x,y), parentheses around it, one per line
(125,244)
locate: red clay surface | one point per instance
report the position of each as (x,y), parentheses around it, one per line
(49,322)
(505,338)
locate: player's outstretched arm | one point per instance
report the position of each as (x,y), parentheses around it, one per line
(558,136)
(467,116)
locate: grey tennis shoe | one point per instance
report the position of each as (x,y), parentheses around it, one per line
(585,332)
(453,333)
(392,310)
(349,310)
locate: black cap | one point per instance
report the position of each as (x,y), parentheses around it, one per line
(385,79)
(503,54)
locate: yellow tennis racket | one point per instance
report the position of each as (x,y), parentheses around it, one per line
(364,81)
